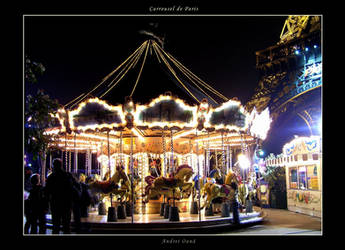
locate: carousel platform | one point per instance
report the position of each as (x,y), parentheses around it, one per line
(156,224)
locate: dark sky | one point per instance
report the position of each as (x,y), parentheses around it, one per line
(78,51)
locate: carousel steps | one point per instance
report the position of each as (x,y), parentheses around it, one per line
(155,224)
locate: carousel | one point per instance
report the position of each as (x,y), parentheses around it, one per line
(167,163)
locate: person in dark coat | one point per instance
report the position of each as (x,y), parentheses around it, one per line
(59,188)
(234,202)
(27,178)
(38,205)
(27,188)
(85,201)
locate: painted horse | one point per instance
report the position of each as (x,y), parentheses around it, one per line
(213,190)
(118,184)
(199,182)
(163,185)
(151,193)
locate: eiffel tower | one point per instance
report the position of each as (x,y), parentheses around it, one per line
(291,73)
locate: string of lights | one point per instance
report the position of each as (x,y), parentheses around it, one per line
(107,77)
(174,73)
(142,66)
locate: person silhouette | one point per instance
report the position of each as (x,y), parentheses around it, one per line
(59,187)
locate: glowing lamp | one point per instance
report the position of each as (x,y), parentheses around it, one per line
(297,52)
(243,161)
(306,49)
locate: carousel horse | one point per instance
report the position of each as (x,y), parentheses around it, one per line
(213,190)
(151,193)
(118,184)
(198,183)
(163,185)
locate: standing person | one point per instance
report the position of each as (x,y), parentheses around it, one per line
(234,202)
(38,205)
(59,188)
(85,197)
(27,178)
(27,188)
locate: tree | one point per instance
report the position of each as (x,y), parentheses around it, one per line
(275,176)
(37,118)
(37,115)
(32,69)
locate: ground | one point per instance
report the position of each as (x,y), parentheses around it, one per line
(283,222)
(278,222)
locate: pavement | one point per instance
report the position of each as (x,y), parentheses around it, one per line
(282,222)
(277,222)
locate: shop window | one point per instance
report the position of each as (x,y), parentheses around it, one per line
(312,177)
(304,157)
(302,177)
(315,157)
(293,177)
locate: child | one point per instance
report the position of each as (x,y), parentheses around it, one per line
(38,206)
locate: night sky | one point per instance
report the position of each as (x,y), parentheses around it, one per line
(78,51)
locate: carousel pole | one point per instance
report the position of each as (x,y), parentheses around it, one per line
(132,191)
(243,151)
(111,210)
(194,204)
(50,160)
(98,167)
(198,166)
(164,155)
(173,211)
(216,155)
(69,161)
(230,157)
(172,169)
(109,165)
(75,154)
(163,171)
(208,154)
(223,158)
(121,149)
(86,161)
(225,209)
(65,151)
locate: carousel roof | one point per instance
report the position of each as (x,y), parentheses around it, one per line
(97,114)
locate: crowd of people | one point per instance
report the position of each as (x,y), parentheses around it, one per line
(64,194)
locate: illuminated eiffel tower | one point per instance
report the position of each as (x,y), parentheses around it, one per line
(291,73)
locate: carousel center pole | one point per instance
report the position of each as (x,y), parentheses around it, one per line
(172,162)
(65,151)
(223,158)
(75,154)
(121,148)
(198,166)
(132,191)
(208,154)
(109,166)
(164,159)
(111,210)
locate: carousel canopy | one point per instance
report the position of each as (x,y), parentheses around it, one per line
(99,113)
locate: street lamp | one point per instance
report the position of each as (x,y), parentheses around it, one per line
(243,161)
